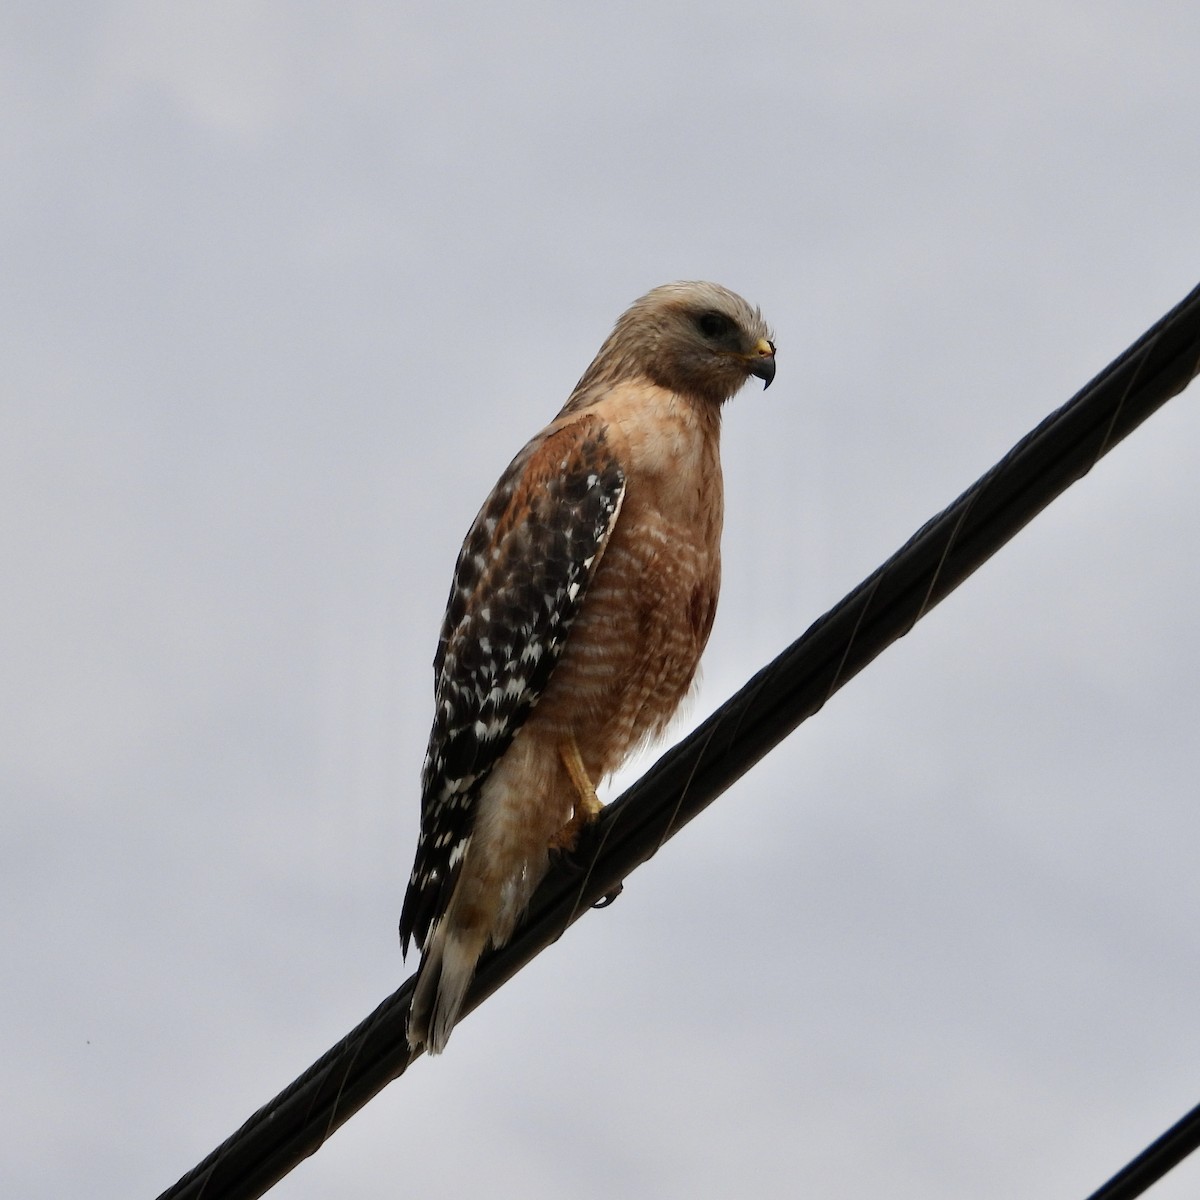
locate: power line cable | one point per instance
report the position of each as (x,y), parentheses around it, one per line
(939,556)
(1155,1161)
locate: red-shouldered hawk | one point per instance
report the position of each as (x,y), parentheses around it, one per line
(582,599)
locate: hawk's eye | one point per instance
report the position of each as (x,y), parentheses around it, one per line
(714,325)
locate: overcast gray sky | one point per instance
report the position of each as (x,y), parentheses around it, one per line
(285,287)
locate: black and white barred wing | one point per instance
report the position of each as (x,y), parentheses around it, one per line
(521,578)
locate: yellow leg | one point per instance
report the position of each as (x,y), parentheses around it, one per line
(587,804)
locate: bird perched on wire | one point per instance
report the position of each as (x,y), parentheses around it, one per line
(582,599)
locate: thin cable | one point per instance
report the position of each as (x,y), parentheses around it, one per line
(944,552)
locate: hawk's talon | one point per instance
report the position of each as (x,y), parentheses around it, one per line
(566,840)
(586,807)
(607,899)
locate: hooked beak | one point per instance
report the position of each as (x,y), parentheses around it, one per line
(760,362)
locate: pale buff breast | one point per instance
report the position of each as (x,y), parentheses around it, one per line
(634,648)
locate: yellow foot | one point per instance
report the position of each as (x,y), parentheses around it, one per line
(587,804)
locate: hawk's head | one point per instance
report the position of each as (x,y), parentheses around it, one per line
(697,338)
